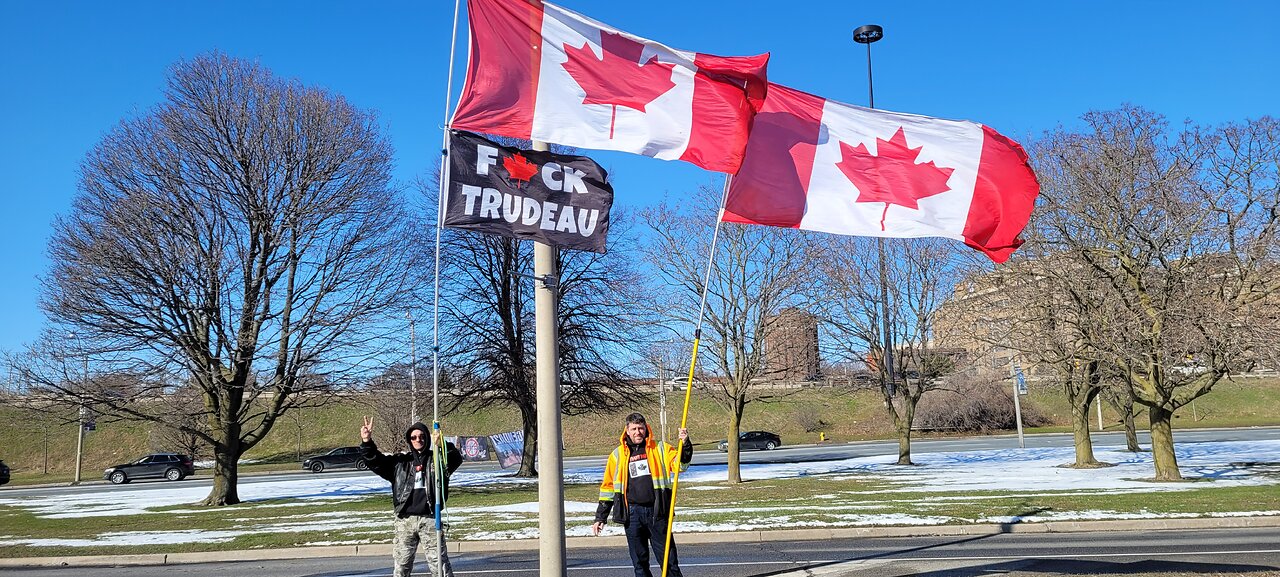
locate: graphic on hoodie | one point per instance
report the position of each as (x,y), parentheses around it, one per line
(639,466)
(419,479)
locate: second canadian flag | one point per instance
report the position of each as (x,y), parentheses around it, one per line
(816,164)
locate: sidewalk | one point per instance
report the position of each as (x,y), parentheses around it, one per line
(464,547)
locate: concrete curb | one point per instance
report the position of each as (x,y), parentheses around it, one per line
(384,549)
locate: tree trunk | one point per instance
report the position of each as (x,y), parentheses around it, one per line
(735,424)
(1130,428)
(904,445)
(1122,401)
(902,421)
(226,459)
(529,419)
(1080,431)
(1162,444)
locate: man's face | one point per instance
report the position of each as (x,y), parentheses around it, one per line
(417,439)
(636,432)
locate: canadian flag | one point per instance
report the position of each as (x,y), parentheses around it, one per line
(541,72)
(817,164)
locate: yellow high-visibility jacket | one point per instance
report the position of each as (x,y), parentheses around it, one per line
(663,459)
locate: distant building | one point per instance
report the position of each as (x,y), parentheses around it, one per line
(977,320)
(791,346)
(992,316)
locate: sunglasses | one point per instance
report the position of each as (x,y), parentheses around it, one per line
(417,438)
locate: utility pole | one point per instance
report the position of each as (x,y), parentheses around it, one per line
(84,378)
(662,399)
(551,543)
(1019,388)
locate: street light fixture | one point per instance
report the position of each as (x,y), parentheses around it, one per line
(869,34)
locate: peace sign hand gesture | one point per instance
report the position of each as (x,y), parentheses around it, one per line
(366,430)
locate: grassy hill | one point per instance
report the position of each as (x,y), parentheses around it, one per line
(842,414)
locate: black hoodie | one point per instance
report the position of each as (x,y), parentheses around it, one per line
(402,469)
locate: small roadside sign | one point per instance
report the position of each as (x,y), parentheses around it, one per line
(1022,380)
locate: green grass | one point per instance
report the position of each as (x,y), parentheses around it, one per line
(847,415)
(828,501)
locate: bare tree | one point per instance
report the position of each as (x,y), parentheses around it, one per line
(242,234)
(756,273)
(391,398)
(36,414)
(180,427)
(667,362)
(1047,310)
(1182,228)
(1120,396)
(487,322)
(921,273)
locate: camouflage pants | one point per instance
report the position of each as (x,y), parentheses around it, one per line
(410,531)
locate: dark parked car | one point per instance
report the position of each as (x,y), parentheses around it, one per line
(171,466)
(753,440)
(4,473)
(336,459)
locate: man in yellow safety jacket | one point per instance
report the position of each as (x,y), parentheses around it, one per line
(637,487)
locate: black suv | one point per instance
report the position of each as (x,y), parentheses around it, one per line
(4,473)
(336,459)
(171,466)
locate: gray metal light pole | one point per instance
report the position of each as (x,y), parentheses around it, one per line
(84,376)
(551,543)
(662,399)
(867,35)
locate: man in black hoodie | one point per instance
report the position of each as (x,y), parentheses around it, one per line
(413,496)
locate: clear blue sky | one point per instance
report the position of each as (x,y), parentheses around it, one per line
(73,69)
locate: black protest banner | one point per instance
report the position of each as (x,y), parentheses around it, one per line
(474,448)
(558,199)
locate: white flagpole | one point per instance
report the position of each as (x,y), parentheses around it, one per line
(439,451)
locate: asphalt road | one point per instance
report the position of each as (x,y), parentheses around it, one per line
(1218,551)
(705,454)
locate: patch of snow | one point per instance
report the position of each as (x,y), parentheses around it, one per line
(134,538)
(208,463)
(531,507)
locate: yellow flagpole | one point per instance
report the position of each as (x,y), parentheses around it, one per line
(675,474)
(693,363)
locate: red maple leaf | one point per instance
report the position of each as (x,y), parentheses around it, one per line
(891,175)
(619,79)
(519,168)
